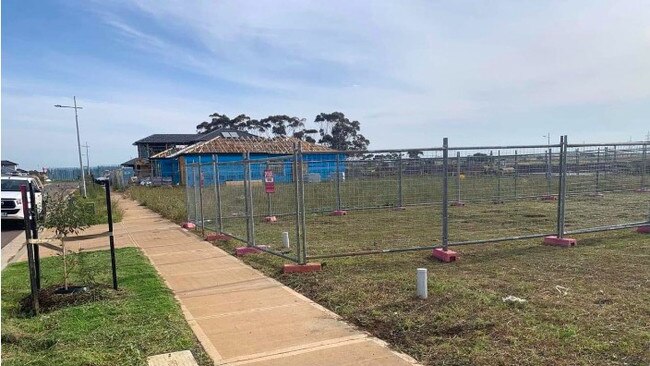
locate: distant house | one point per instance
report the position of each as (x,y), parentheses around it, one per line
(141,167)
(8,167)
(157,143)
(320,161)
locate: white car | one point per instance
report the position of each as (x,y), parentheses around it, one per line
(12,203)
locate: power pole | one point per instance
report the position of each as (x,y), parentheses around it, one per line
(76,120)
(87,158)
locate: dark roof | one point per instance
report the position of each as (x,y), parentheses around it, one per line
(188,139)
(8,162)
(131,163)
(167,138)
(276,145)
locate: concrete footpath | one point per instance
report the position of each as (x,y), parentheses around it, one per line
(240,316)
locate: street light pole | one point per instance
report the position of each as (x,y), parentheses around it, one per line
(81,164)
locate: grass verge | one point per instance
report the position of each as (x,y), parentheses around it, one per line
(123,328)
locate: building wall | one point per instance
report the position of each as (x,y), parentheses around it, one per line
(147,150)
(322,165)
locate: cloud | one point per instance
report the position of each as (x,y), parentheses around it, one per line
(411,72)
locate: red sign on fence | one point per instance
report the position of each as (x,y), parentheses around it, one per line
(269,183)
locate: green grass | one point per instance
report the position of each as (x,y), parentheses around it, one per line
(602,318)
(141,320)
(96,196)
(168,201)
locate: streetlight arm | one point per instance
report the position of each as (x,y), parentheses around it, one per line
(67,106)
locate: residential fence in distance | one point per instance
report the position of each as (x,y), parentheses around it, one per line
(387,201)
(71,173)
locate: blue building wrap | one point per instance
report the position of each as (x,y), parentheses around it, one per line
(231,168)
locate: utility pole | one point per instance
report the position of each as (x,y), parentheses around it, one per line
(81,164)
(87,158)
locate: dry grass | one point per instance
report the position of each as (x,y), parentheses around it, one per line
(585,305)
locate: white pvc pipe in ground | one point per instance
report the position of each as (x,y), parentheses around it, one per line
(285,239)
(422,289)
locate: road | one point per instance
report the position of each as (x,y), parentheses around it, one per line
(11,230)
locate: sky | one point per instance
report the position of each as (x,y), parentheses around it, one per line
(412,72)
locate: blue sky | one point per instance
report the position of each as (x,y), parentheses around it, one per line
(412,72)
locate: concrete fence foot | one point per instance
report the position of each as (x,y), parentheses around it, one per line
(242,251)
(301,268)
(270,219)
(457,204)
(217,237)
(188,225)
(339,213)
(549,197)
(643,229)
(553,240)
(445,255)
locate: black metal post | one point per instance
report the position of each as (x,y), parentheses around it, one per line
(30,251)
(34,227)
(111,239)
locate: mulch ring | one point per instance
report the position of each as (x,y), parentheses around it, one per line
(56,296)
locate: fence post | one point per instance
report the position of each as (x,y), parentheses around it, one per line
(296,188)
(303,223)
(201,199)
(443,254)
(458,188)
(559,239)
(615,162)
(605,159)
(217,192)
(498,167)
(400,195)
(598,171)
(549,172)
(577,161)
(516,174)
(561,188)
(445,198)
(187,192)
(644,168)
(196,184)
(248,199)
(338,182)
(269,208)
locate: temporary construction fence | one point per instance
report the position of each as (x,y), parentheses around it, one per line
(121,177)
(415,199)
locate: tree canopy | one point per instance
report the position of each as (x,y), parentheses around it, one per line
(241,122)
(339,133)
(336,131)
